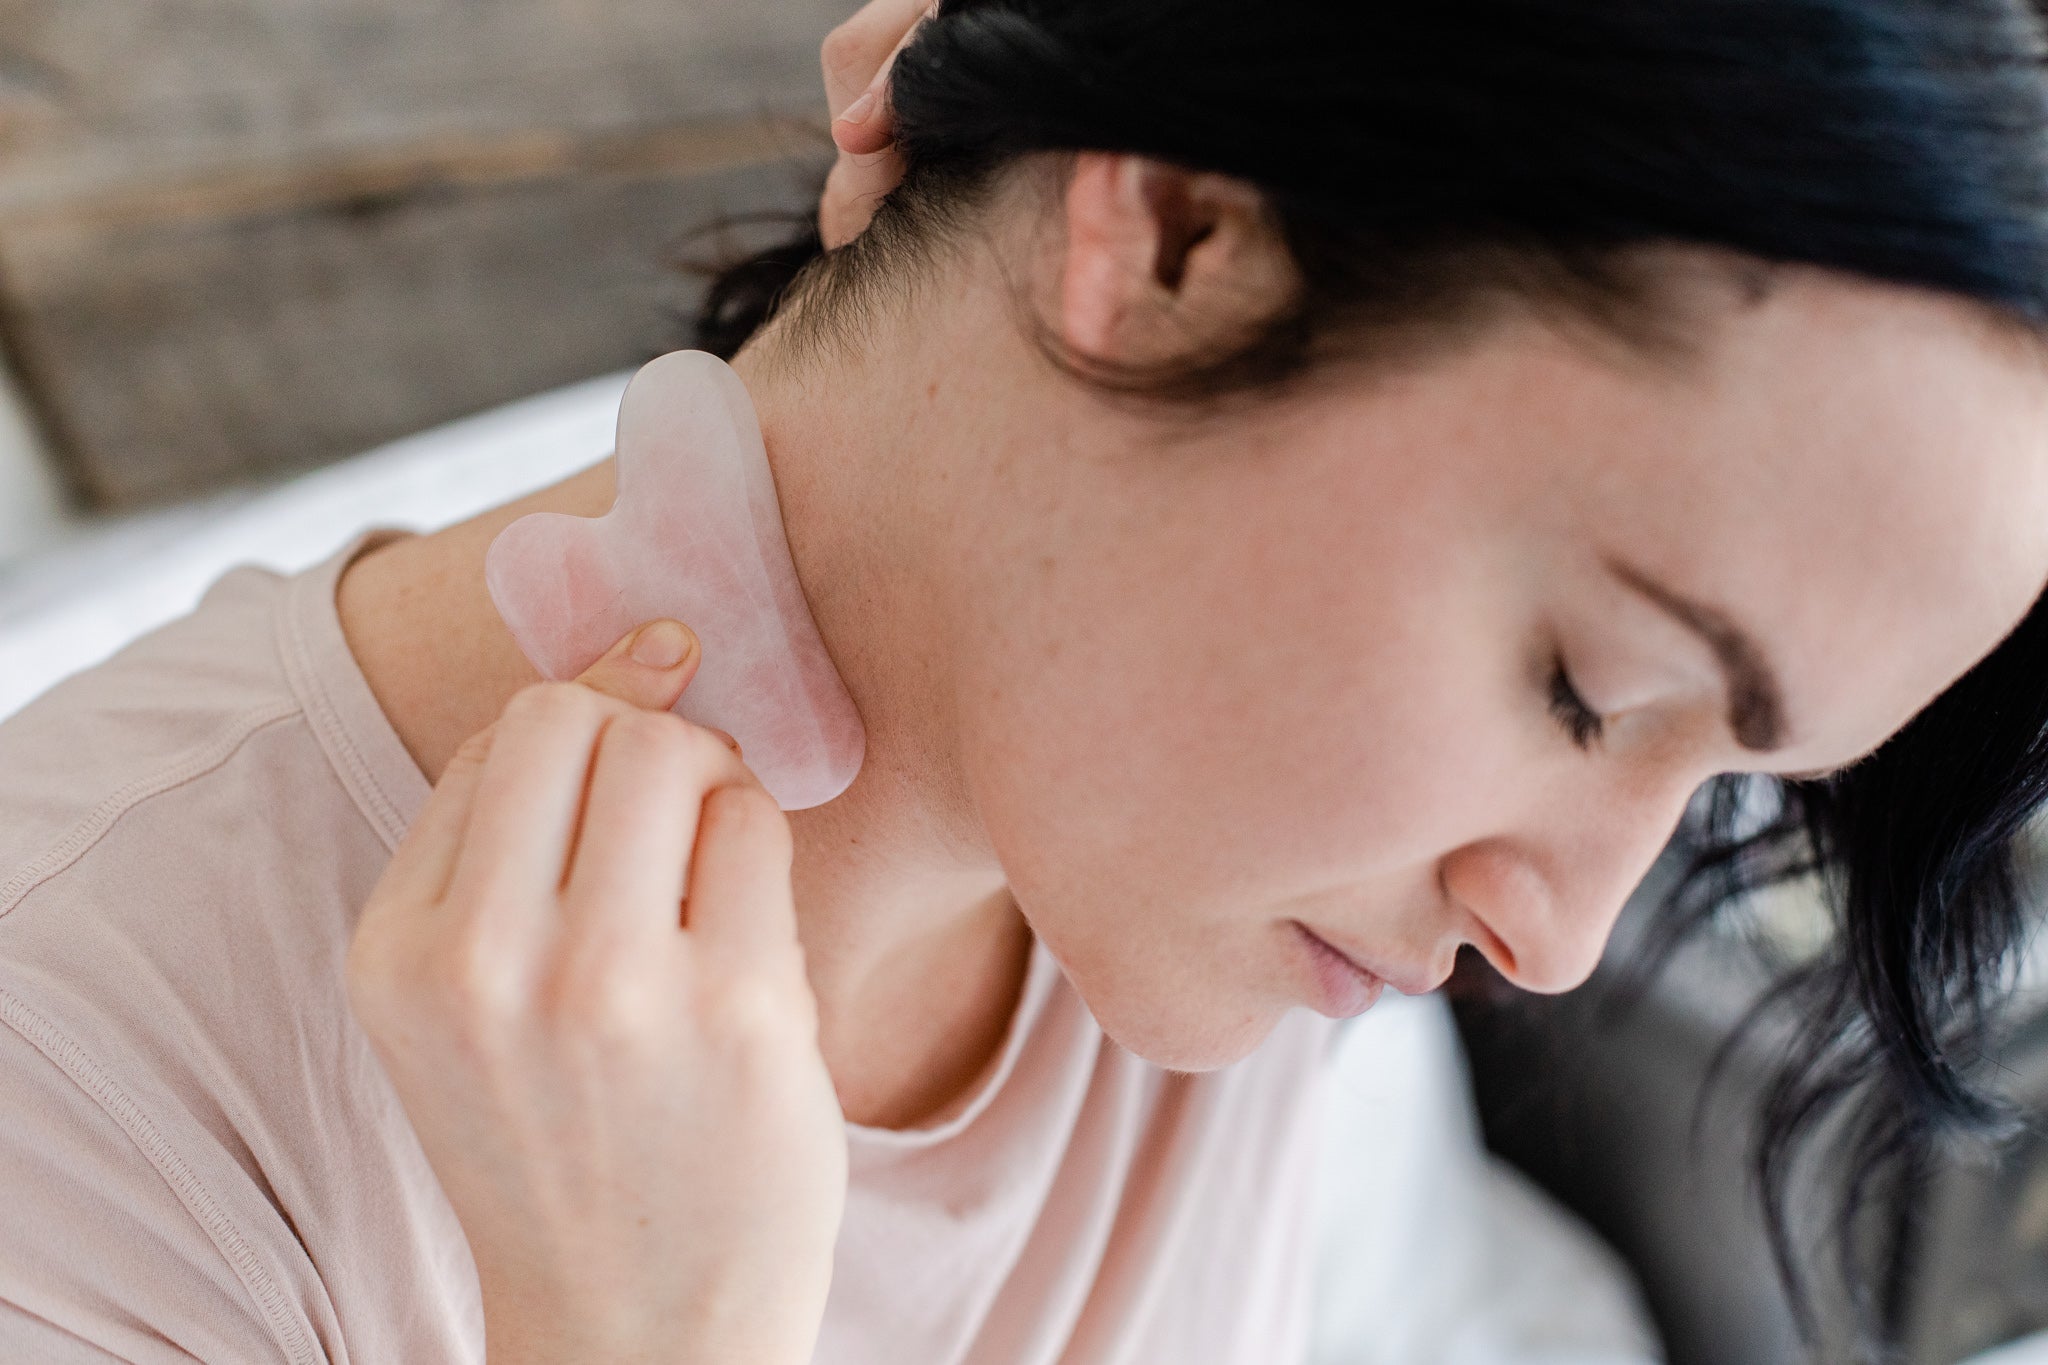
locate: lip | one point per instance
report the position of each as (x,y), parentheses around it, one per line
(1407,983)
(1343,988)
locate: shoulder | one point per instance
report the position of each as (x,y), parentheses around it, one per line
(172,706)
(261,1204)
(179,865)
(118,1231)
(205,1149)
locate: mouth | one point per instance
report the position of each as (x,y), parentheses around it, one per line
(1344,989)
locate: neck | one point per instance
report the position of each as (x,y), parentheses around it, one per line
(894,888)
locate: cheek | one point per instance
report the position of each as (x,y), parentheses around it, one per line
(1107,791)
(1162,761)
(1159,825)
(1093,763)
(1374,748)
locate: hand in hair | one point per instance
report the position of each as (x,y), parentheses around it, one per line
(856,57)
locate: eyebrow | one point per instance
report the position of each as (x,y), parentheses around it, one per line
(1756,714)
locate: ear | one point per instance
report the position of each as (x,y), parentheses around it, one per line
(1163,262)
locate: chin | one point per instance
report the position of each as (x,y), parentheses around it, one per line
(1188,1015)
(1183,1033)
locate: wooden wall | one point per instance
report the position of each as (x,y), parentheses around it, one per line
(243,236)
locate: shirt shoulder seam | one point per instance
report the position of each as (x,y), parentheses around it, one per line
(90,1077)
(345,756)
(89,831)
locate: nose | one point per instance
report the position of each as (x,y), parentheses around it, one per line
(1547,900)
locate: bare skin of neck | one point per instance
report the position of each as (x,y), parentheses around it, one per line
(917,951)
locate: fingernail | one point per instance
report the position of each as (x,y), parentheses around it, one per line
(861,109)
(664,644)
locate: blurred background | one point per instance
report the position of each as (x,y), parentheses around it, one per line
(244,239)
(240,238)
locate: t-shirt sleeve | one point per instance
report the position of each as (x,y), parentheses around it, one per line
(101,1256)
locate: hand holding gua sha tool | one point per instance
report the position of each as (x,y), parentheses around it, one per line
(695,533)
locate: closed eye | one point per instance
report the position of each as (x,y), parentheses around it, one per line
(1578,720)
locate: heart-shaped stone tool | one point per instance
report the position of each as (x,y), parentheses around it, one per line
(694,533)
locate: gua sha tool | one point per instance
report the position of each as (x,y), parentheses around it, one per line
(695,533)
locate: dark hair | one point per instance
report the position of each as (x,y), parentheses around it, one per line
(1421,157)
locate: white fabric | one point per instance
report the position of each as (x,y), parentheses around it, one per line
(1430,1251)
(2031,1350)
(32,510)
(69,608)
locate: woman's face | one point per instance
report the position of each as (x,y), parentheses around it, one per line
(1311,663)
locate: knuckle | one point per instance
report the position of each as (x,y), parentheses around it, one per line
(748,1009)
(550,703)
(750,808)
(846,48)
(707,748)
(669,741)
(473,751)
(596,995)
(480,984)
(867,184)
(661,734)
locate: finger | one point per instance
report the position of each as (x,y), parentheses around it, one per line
(425,860)
(652,674)
(857,50)
(529,796)
(629,872)
(868,128)
(741,909)
(650,667)
(868,124)
(855,187)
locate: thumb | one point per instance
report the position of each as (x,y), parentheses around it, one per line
(649,667)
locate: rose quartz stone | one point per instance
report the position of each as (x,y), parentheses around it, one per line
(695,533)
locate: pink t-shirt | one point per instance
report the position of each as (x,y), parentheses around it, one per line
(202,1158)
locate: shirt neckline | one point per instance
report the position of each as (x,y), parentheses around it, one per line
(366,751)
(390,789)
(1040,977)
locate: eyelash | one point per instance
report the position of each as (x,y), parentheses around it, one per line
(1580,721)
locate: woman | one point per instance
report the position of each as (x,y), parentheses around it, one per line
(1334,485)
